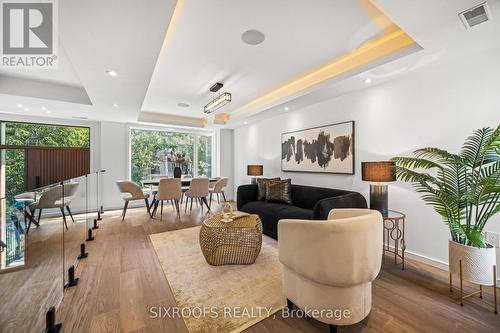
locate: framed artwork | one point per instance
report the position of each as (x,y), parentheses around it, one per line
(327,149)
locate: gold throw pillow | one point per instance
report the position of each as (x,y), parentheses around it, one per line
(262,186)
(279,191)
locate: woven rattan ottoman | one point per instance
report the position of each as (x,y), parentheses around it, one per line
(233,243)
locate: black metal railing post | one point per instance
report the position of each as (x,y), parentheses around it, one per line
(50,322)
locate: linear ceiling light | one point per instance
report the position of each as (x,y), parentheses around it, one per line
(219,101)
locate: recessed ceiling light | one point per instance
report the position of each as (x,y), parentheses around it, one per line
(44,108)
(26,109)
(48,111)
(368,81)
(253,37)
(112,73)
(115,105)
(287,108)
(19,105)
(183,105)
(246,122)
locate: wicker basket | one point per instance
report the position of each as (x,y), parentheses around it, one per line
(234,243)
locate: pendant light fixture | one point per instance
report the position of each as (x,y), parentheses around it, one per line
(217,101)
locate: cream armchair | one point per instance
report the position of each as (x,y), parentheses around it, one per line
(329,265)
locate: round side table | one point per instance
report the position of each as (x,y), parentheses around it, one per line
(234,243)
(394,234)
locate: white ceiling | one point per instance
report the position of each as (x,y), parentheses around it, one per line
(64,74)
(206,47)
(123,35)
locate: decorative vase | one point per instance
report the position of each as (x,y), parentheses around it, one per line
(226,212)
(477,263)
(177,172)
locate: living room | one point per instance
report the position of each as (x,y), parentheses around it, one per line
(234,172)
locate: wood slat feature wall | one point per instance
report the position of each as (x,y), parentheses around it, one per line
(51,165)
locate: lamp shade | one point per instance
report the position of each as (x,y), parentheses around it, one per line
(255,170)
(383,171)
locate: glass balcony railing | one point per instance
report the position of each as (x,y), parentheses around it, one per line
(44,232)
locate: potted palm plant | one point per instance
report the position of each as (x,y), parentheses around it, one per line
(464,189)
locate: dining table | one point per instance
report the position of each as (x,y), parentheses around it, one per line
(185,182)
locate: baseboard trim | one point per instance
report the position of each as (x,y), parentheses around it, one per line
(427,260)
(431,261)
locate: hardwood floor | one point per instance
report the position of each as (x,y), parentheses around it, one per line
(122,278)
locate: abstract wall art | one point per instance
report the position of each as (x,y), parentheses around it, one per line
(320,149)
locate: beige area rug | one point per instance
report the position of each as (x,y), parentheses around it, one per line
(233,297)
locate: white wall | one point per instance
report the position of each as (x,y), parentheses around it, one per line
(438,106)
(114,159)
(226,165)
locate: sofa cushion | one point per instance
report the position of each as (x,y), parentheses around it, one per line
(262,187)
(279,191)
(271,213)
(307,196)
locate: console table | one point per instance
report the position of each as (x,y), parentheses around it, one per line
(394,236)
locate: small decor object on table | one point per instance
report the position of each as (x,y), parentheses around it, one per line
(394,230)
(463,188)
(231,243)
(227,212)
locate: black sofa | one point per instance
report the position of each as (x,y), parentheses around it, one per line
(308,202)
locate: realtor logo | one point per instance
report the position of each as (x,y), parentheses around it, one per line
(28,34)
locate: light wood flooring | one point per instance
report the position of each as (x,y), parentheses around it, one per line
(122,278)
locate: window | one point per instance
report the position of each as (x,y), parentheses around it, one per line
(157,152)
(205,156)
(42,135)
(31,156)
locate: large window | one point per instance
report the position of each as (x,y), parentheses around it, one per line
(26,139)
(34,155)
(157,152)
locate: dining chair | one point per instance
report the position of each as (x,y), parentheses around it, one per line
(69,193)
(169,189)
(153,189)
(55,197)
(131,192)
(198,189)
(218,188)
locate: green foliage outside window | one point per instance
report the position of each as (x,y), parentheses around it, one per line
(150,150)
(40,135)
(205,156)
(35,135)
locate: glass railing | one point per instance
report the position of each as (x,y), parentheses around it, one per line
(44,233)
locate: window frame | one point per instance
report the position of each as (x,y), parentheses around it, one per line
(196,134)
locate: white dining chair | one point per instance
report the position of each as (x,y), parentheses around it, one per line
(198,190)
(131,192)
(169,189)
(55,197)
(218,188)
(69,193)
(153,189)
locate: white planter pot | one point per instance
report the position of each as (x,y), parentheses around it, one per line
(477,263)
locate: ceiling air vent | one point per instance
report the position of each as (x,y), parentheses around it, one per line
(475,15)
